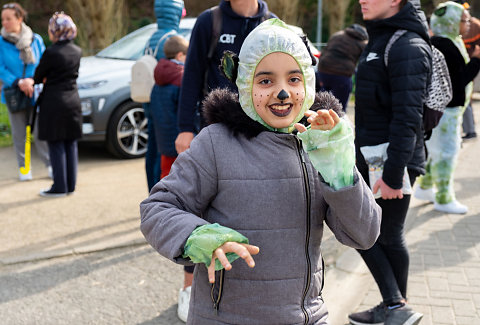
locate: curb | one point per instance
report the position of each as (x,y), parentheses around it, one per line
(39,256)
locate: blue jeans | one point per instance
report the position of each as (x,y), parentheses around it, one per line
(152,156)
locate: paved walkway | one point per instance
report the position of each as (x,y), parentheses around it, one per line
(444,281)
(76,260)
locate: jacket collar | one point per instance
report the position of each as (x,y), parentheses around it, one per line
(222,106)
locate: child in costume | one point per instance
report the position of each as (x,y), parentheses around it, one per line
(249,186)
(448,22)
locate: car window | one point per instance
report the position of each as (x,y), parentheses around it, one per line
(130,47)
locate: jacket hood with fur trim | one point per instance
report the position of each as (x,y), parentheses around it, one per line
(222,106)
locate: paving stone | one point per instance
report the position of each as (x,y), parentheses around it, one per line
(442,315)
(464,308)
(467,320)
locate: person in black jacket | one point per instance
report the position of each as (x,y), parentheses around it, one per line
(60,121)
(239,18)
(388,109)
(448,22)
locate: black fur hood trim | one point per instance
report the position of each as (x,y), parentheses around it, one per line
(222,106)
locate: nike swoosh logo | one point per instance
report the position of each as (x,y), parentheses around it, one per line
(372,56)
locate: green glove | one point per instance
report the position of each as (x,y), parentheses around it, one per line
(332,153)
(206,239)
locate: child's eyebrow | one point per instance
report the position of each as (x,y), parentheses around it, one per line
(260,73)
(295,71)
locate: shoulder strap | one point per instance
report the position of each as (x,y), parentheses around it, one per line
(392,40)
(216,29)
(24,69)
(160,41)
(148,49)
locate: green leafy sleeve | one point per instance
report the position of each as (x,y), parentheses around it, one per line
(332,153)
(205,239)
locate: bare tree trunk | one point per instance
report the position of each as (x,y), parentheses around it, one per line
(336,11)
(99,22)
(286,10)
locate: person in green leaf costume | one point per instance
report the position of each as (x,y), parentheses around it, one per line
(448,22)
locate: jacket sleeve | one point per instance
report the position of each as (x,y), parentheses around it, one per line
(461,74)
(6,76)
(193,78)
(409,68)
(43,67)
(353,215)
(173,209)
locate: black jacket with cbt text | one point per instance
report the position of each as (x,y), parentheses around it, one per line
(235,29)
(389,99)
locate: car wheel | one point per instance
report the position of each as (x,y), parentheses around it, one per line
(127,131)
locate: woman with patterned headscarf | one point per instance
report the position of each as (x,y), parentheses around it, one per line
(60,119)
(448,22)
(20,52)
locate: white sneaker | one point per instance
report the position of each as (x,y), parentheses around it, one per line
(451,207)
(25,177)
(183,303)
(50,172)
(424,194)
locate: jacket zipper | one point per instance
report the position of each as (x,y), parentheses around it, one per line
(308,226)
(216,301)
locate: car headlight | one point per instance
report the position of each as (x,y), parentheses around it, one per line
(87,107)
(91,85)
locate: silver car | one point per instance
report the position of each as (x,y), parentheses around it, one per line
(109,114)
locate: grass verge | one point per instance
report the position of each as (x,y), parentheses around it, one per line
(5,134)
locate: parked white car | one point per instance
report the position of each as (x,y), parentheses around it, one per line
(109,114)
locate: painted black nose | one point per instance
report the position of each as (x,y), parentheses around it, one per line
(282,95)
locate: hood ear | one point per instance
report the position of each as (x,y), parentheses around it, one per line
(229,66)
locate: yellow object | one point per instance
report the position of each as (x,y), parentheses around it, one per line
(28,140)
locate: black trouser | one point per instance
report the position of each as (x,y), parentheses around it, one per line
(388,259)
(64,161)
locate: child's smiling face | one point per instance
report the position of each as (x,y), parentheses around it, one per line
(278,90)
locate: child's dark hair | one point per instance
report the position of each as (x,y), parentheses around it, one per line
(174,45)
(19,11)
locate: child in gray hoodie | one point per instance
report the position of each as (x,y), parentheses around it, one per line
(250,186)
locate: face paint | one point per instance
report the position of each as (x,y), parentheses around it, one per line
(278,90)
(282,95)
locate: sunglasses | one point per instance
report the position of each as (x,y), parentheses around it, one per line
(9,6)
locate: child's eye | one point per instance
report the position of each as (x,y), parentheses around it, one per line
(295,79)
(265,81)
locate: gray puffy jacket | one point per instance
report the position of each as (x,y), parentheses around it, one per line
(265,187)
